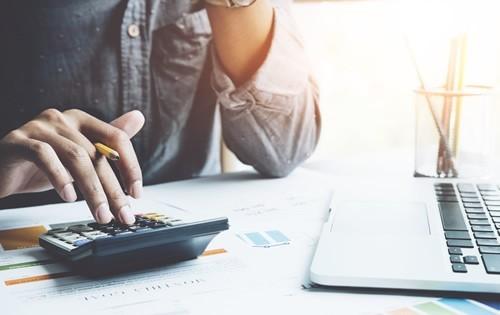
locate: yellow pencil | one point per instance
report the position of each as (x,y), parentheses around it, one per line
(107,151)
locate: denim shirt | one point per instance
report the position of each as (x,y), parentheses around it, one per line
(107,57)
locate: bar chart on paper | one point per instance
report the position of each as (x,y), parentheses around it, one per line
(20,238)
(268,238)
(19,248)
(449,306)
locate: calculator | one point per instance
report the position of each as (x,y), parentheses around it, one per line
(153,239)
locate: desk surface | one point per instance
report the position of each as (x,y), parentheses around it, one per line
(233,277)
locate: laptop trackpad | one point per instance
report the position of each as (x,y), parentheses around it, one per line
(381,218)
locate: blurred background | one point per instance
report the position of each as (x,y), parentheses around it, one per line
(359,53)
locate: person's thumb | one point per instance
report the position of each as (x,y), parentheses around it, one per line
(130,122)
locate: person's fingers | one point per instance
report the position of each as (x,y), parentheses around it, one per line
(130,122)
(46,159)
(99,131)
(62,130)
(118,202)
(79,163)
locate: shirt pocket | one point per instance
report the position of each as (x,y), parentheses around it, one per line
(178,58)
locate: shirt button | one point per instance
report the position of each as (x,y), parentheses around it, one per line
(133,30)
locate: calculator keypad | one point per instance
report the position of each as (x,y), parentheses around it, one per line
(76,235)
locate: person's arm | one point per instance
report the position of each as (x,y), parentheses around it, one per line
(267,95)
(242,37)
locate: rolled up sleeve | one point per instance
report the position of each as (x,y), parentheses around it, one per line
(272,121)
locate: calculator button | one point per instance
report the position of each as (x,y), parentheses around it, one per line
(63,234)
(157,225)
(98,237)
(120,231)
(79,228)
(94,235)
(81,242)
(147,224)
(59,243)
(73,238)
(108,229)
(57,230)
(161,218)
(139,219)
(95,225)
(135,228)
(122,226)
(151,215)
(174,222)
(124,232)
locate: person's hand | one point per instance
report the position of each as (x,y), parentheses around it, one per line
(56,149)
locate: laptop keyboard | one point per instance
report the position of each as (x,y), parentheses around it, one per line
(471,220)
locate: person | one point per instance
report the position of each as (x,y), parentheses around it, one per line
(74,73)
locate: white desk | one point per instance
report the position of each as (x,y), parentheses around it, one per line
(244,279)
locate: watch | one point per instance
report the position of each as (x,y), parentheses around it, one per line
(231,3)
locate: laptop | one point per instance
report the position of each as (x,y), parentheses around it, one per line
(418,234)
